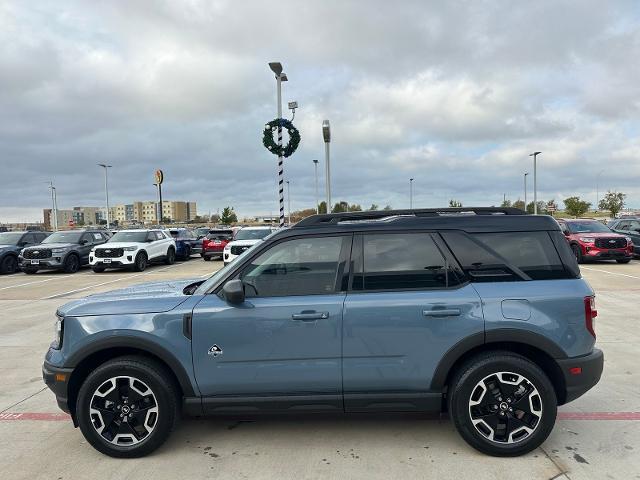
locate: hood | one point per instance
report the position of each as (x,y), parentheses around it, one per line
(12,247)
(121,244)
(244,243)
(599,234)
(51,246)
(151,297)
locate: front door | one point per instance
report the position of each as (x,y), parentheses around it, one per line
(282,346)
(406,309)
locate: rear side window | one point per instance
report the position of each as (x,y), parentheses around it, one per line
(402,262)
(507,256)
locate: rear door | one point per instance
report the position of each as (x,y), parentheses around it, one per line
(406,309)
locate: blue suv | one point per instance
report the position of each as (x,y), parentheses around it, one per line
(480,313)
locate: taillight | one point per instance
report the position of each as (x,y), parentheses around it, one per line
(590,313)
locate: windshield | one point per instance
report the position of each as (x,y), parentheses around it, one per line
(138,237)
(10,238)
(588,227)
(252,234)
(63,237)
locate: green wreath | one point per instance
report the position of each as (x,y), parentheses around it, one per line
(272,127)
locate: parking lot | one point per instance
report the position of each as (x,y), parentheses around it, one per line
(596,437)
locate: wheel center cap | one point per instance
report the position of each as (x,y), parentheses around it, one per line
(125,409)
(504,406)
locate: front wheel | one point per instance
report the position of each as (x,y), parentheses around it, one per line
(71,264)
(577,252)
(502,404)
(9,264)
(127,407)
(171,257)
(624,260)
(140,263)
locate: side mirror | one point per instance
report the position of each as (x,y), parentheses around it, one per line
(233,292)
(566,233)
(84,242)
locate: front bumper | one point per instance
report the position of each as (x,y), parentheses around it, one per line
(605,254)
(51,263)
(590,370)
(124,261)
(57,379)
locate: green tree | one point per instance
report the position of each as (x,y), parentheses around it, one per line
(613,201)
(322,207)
(228,216)
(542,207)
(374,207)
(576,207)
(340,207)
(453,203)
(388,207)
(519,204)
(506,203)
(355,207)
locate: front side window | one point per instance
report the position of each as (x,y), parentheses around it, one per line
(403,262)
(307,266)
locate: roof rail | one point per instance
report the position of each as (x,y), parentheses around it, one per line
(334,218)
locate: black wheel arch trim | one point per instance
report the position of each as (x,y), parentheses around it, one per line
(139,344)
(480,339)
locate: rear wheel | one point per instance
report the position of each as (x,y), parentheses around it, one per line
(140,263)
(577,251)
(502,404)
(624,260)
(9,264)
(127,407)
(71,264)
(187,253)
(171,256)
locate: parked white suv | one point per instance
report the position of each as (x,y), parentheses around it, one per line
(133,248)
(244,239)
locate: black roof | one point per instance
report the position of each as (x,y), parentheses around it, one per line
(481,219)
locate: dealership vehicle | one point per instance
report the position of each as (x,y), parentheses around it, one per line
(214,242)
(592,240)
(66,251)
(10,245)
(201,232)
(629,227)
(244,239)
(133,249)
(187,243)
(481,312)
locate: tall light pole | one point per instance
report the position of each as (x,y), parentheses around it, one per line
(525,190)
(276,67)
(106,186)
(315,165)
(597,190)
(288,202)
(54,207)
(535,182)
(326,135)
(411,193)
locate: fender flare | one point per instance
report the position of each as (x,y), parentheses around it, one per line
(499,335)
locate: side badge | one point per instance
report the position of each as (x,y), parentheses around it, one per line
(215,351)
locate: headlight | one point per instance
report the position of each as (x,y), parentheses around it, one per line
(227,248)
(130,249)
(57,336)
(57,251)
(587,239)
(629,240)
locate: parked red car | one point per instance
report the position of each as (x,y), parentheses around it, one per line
(213,244)
(592,240)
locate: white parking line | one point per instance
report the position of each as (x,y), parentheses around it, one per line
(28,283)
(610,273)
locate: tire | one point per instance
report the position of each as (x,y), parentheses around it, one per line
(29,270)
(170,259)
(472,394)
(577,252)
(624,260)
(140,263)
(138,385)
(207,259)
(9,264)
(98,268)
(71,263)
(187,254)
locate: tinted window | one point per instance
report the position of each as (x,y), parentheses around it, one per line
(220,236)
(404,261)
(506,256)
(252,234)
(160,236)
(138,237)
(29,239)
(588,226)
(63,237)
(306,266)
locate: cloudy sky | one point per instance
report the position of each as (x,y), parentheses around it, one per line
(455,94)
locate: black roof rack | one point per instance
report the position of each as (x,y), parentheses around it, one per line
(334,218)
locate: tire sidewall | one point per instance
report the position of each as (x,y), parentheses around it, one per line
(9,264)
(141,262)
(72,263)
(461,393)
(167,411)
(171,256)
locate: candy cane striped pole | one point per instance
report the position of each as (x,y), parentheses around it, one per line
(280,159)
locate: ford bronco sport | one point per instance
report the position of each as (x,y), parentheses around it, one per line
(481,313)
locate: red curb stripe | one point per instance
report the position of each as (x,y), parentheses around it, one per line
(56,417)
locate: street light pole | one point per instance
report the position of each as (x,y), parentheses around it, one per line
(597,190)
(326,135)
(411,193)
(289,202)
(54,210)
(106,187)
(315,165)
(276,67)
(525,190)
(535,182)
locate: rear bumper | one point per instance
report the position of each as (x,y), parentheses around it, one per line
(212,253)
(57,379)
(590,370)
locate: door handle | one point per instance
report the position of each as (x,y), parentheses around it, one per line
(309,316)
(448,312)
